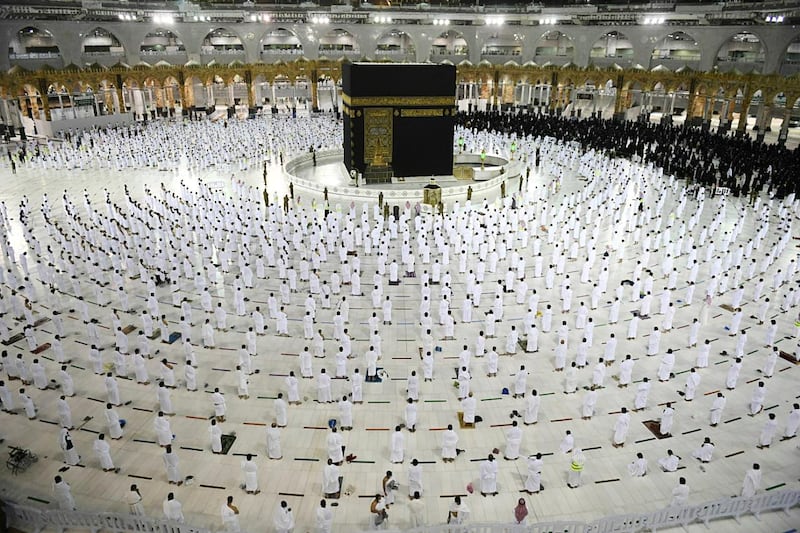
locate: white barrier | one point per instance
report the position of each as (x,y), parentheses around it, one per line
(29,518)
(366,194)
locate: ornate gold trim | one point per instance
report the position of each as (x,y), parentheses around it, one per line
(398,101)
(414,113)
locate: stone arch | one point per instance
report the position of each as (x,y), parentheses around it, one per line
(108,96)
(338,42)
(262,90)
(159,41)
(151,92)
(744,51)
(279,41)
(32,39)
(31,104)
(101,42)
(221,40)
(239,88)
(450,43)
(675,50)
(554,47)
(790,61)
(194,92)
(36,46)
(395,44)
(612,45)
(504,44)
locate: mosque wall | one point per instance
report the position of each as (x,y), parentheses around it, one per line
(772,41)
(649,75)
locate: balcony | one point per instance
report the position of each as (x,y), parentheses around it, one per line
(500,55)
(334,51)
(674,64)
(222,55)
(175,55)
(558,61)
(454,55)
(273,53)
(36,60)
(744,66)
(395,54)
(605,62)
(108,57)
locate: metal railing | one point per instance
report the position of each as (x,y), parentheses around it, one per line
(31,518)
(28,518)
(367,194)
(725,508)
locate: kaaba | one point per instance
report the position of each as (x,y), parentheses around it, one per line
(398,119)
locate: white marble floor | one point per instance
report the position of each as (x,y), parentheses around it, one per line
(607,488)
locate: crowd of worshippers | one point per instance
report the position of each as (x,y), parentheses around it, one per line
(713,159)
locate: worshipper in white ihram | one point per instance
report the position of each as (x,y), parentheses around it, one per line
(752,481)
(488,476)
(63,494)
(134,500)
(274,442)
(173,510)
(230,516)
(250,471)
(533,481)
(638,468)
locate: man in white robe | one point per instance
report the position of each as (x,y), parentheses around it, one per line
(757,400)
(220,407)
(469,406)
(63,494)
(173,510)
(324,387)
(103,452)
(335,446)
(171,465)
(274,442)
(330,480)
(134,500)
(667,418)
(576,469)
(64,413)
(533,481)
(215,433)
(690,388)
(705,451)
(680,494)
(513,442)
(163,430)
(324,518)
(792,423)
(621,426)
(230,516)
(638,468)
(752,481)
(414,478)
(488,476)
(449,443)
(768,432)
(670,462)
(397,446)
(250,471)
(532,403)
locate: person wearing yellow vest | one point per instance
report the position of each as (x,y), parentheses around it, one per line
(576,469)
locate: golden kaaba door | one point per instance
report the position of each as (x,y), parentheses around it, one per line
(378,136)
